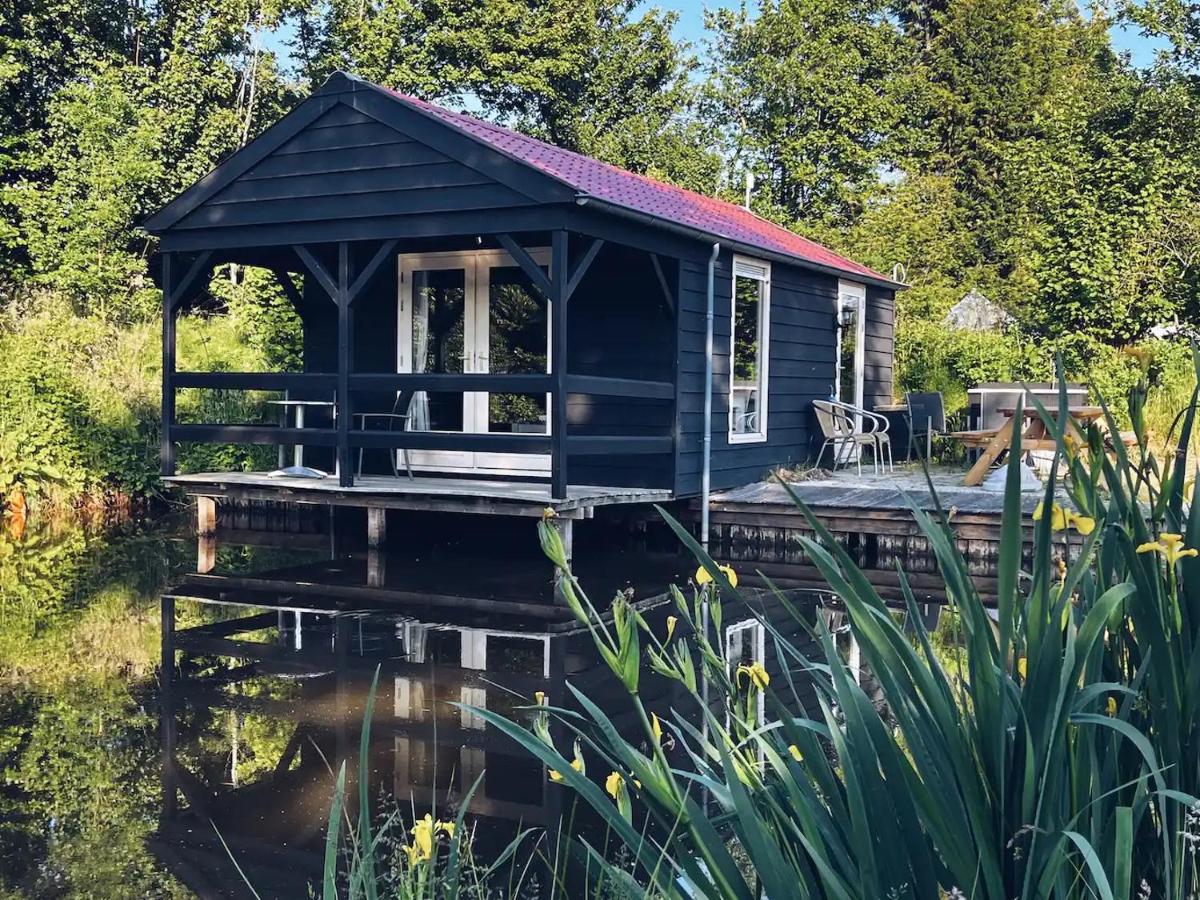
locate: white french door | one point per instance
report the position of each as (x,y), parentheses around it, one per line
(474,312)
(851,343)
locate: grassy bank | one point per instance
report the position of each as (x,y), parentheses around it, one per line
(80,397)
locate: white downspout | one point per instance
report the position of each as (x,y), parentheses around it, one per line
(706,440)
(706,465)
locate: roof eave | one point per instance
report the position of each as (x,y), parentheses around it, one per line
(876,279)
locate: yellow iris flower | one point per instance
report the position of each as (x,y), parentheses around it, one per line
(756,673)
(1170,546)
(1062,519)
(576,764)
(1111,706)
(614,784)
(656,727)
(702,576)
(423,832)
(671,623)
(1023,667)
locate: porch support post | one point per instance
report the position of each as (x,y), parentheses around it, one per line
(343,298)
(167,448)
(558,357)
(177,287)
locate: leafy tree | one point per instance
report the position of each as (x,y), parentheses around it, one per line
(133,127)
(589,76)
(812,98)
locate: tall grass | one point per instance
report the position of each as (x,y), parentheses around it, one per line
(1062,762)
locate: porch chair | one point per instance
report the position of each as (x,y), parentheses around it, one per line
(926,419)
(839,424)
(397,419)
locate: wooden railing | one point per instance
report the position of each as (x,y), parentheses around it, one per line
(313,383)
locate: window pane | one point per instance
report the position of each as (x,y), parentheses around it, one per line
(747,356)
(848,351)
(438,332)
(517,345)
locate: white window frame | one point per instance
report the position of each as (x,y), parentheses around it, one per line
(760,271)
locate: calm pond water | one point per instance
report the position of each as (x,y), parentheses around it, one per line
(118,774)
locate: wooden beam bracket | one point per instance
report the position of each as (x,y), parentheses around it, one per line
(318,271)
(525,261)
(662,282)
(292,292)
(364,278)
(182,291)
(582,266)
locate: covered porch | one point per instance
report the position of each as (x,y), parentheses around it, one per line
(569,403)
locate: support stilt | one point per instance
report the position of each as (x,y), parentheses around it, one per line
(376,527)
(206,516)
(206,553)
(376,567)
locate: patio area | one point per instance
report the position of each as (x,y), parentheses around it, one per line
(845,489)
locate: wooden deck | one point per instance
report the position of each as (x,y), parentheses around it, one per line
(870,514)
(863,495)
(457,495)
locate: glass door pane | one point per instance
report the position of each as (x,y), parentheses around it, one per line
(517,344)
(848,354)
(438,344)
(436,333)
(514,340)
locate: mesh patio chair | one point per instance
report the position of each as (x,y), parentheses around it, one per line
(396,420)
(926,419)
(840,424)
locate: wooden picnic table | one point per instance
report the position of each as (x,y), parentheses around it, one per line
(1033,436)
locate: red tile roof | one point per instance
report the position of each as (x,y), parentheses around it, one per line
(607,183)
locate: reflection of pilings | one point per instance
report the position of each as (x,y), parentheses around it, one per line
(376,567)
(166,710)
(206,553)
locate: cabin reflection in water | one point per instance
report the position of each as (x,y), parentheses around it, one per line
(267,697)
(267,700)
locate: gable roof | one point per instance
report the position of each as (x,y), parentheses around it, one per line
(543,174)
(667,203)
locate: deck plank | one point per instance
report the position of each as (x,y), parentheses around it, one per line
(467,495)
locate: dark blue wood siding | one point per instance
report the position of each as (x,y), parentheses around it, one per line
(879,361)
(801,370)
(344,166)
(620,327)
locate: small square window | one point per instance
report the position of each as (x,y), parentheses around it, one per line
(749,350)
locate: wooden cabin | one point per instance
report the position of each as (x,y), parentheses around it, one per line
(541,315)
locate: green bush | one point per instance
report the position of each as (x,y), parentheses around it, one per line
(932,357)
(80,396)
